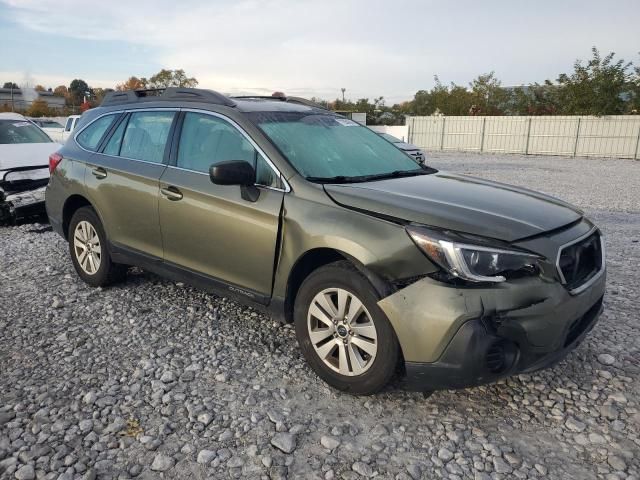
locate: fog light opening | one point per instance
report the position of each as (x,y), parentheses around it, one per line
(501,356)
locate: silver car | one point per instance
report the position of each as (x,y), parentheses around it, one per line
(408,148)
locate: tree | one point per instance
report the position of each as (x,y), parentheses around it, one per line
(633,106)
(77,90)
(10,85)
(597,88)
(39,88)
(421,103)
(320,101)
(535,99)
(133,83)
(451,100)
(170,78)
(60,91)
(487,95)
(38,108)
(98,95)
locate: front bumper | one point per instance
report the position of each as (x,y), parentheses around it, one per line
(21,205)
(454,337)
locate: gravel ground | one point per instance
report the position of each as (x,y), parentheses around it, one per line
(154,379)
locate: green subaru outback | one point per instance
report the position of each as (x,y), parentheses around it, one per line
(385,266)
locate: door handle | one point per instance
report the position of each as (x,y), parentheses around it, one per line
(172,193)
(99,173)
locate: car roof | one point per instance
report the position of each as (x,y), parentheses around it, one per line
(179,96)
(268,105)
(11,116)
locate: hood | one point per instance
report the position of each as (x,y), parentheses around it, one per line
(460,203)
(15,155)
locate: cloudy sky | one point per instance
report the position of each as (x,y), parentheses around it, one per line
(310,47)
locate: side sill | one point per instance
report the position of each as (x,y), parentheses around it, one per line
(128,256)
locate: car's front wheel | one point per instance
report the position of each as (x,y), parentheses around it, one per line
(88,248)
(345,337)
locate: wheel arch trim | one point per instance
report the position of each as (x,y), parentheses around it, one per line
(314,258)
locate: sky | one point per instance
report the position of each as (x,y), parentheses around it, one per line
(310,48)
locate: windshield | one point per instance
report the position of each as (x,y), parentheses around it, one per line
(19,131)
(329,147)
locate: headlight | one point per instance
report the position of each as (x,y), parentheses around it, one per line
(475,263)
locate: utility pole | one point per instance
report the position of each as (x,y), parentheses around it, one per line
(343,90)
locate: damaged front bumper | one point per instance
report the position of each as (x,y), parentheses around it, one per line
(456,337)
(22,193)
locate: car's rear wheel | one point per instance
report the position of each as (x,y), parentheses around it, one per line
(345,337)
(89,252)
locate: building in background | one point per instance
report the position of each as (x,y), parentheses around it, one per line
(13,99)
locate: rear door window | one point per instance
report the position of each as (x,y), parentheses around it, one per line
(146,135)
(90,137)
(115,142)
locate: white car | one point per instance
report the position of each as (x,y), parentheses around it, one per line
(24,167)
(69,127)
(50,127)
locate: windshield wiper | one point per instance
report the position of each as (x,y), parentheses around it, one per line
(336,179)
(399,173)
(370,178)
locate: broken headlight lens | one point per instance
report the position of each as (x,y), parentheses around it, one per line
(472,262)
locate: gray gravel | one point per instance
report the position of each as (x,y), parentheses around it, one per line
(155,379)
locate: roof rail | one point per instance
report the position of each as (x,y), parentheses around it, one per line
(260,97)
(165,95)
(304,101)
(299,100)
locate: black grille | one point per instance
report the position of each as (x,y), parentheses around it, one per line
(581,261)
(582,323)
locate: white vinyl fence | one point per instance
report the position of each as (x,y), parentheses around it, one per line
(613,136)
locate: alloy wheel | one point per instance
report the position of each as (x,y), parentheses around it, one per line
(86,246)
(342,332)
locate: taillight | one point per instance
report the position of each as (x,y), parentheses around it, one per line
(54,160)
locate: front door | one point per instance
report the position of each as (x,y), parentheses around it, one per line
(210,229)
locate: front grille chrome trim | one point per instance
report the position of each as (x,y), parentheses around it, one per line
(581,288)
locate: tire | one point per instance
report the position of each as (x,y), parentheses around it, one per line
(334,350)
(85,227)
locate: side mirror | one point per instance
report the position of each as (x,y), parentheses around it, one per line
(236,172)
(233,172)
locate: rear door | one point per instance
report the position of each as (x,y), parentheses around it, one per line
(210,229)
(122,179)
